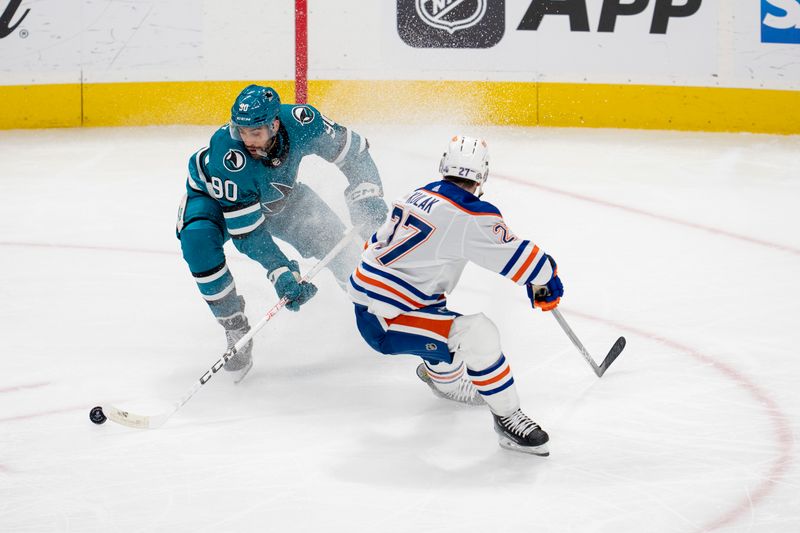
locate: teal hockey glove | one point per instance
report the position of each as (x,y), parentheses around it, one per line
(287,284)
(367,208)
(368,213)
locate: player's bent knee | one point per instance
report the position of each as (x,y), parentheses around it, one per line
(478,339)
(201,245)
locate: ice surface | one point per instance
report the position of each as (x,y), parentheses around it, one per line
(686,243)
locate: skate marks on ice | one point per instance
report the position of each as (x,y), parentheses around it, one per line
(348,433)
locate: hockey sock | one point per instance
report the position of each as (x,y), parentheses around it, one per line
(446,376)
(495,383)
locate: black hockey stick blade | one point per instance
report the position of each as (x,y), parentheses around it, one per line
(612,356)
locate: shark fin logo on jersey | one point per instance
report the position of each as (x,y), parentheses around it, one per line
(302,114)
(234,160)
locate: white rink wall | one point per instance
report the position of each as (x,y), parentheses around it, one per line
(731,65)
(98,41)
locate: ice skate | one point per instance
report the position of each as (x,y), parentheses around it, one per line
(466,392)
(240,364)
(521,434)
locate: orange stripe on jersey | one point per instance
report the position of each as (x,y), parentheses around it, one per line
(454,204)
(440,327)
(376,283)
(495,379)
(526,264)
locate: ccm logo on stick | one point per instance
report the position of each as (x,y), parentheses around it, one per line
(579,16)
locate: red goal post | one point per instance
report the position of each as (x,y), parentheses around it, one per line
(301,51)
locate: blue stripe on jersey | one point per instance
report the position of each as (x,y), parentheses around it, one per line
(380,297)
(489,370)
(436,309)
(404,284)
(503,387)
(465,199)
(514,258)
(536,270)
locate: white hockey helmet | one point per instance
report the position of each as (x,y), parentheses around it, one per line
(466,158)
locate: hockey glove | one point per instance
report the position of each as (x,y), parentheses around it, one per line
(367,208)
(547,297)
(288,285)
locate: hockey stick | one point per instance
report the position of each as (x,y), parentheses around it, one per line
(612,354)
(127,418)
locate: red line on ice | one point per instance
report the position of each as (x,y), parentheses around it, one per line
(87,247)
(779,419)
(665,218)
(16,388)
(44,413)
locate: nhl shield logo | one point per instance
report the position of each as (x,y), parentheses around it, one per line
(451,15)
(451,23)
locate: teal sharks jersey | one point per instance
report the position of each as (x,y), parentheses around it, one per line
(249,190)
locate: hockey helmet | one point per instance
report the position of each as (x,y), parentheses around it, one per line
(255,106)
(466,158)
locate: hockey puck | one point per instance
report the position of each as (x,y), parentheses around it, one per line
(96,415)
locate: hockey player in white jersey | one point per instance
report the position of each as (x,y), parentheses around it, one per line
(416,258)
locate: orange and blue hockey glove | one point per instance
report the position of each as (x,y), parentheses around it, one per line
(547,297)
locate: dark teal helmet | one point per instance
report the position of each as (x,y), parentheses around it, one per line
(255,106)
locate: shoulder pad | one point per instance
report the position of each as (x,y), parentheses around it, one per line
(303,114)
(300,116)
(303,123)
(462,199)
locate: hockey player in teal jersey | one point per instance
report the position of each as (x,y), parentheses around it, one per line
(243,186)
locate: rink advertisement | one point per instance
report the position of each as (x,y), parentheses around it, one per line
(6,26)
(674,64)
(466,24)
(780,21)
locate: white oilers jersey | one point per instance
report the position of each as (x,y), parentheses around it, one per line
(417,256)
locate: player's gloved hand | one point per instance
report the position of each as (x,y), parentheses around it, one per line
(368,213)
(547,297)
(367,208)
(287,284)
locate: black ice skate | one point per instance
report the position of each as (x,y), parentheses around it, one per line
(466,392)
(521,434)
(240,364)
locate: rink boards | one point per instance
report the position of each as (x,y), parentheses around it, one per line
(709,65)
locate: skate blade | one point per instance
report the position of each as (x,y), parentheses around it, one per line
(508,444)
(239,375)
